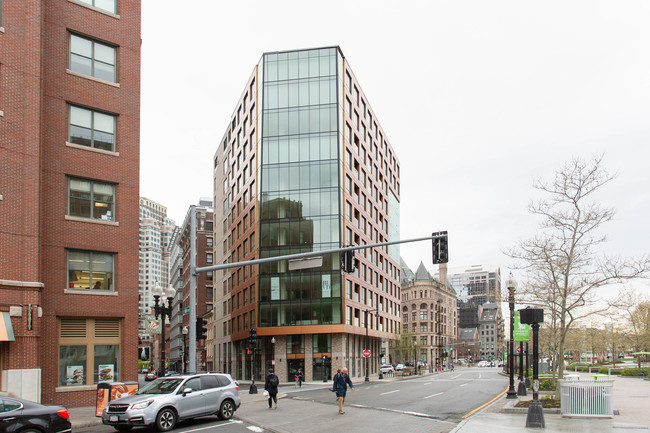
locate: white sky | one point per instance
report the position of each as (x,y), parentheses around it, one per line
(477,98)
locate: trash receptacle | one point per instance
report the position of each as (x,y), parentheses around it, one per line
(107,391)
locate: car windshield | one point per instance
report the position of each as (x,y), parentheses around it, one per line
(160,386)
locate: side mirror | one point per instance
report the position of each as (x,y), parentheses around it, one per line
(187,391)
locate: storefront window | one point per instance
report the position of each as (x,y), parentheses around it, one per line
(72,365)
(107,363)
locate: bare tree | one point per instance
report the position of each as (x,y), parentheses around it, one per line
(636,311)
(561,261)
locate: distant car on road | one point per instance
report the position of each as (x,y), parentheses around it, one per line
(26,416)
(399,367)
(152,375)
(165,401)
(387,368)
(483,364)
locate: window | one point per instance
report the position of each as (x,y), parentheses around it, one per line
(91,128)
(90,270)
(107,5)
(89,351)
(91,199)
(92,58)
(208,258)
(209,242)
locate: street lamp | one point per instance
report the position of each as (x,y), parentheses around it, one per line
(374,310)
(511,284)
(431,360)
(162,310)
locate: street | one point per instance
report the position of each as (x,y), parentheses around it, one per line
(433,403)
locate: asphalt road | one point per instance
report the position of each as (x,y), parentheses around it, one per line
(424,404)
(446,396)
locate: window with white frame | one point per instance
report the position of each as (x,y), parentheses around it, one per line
(91,128)
(93,58)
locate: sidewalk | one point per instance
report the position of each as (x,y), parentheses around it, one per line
(631,397)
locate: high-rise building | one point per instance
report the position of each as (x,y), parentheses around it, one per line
(156,231)
(69,158)
(303,166)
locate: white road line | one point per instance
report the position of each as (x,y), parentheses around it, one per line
(214,426)
(465,384)
(433,395)
(255,429)
(456,377)
(389,392)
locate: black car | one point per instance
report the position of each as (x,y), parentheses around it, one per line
(26,416)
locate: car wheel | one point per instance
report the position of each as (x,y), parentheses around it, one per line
(31,430)
(122,427)
(165,420)
(226,410)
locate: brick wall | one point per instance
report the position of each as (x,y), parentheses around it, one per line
(36,90)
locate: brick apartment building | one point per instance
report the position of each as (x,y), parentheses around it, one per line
(69,190)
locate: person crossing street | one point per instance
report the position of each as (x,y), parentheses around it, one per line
(341,382)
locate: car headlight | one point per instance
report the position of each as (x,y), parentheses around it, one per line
(142,404)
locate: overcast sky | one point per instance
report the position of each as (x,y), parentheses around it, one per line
(477,98)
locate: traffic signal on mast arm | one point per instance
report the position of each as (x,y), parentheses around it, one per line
(201,328)
(440,248)
(347,261)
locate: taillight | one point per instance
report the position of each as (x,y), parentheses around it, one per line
(237,387)
(63,413)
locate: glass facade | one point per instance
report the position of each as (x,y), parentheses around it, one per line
(300,188)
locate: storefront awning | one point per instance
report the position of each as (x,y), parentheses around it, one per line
(6,330)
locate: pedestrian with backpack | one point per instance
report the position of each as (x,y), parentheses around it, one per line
(271,386)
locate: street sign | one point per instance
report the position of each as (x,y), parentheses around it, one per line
(187,310)
(518,349)
(366,354)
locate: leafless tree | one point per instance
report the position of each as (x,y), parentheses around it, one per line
(562,262)
(636,311)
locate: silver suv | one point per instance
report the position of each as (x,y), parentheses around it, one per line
(167,400)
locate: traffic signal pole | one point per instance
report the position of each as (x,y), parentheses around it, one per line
(194,270)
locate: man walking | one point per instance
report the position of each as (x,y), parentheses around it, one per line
(341,382)
(271,386)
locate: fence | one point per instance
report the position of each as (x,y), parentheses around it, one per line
(591,398)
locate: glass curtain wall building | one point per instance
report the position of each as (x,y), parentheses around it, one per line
(306,168)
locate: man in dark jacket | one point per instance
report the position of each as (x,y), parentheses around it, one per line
(271,386)
(341,382)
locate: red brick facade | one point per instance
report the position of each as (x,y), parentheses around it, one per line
(36,88)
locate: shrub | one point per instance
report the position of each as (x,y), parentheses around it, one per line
(635,372)
(603,370)
(546,385)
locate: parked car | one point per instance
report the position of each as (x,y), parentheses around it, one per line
(152,375)
(167,400)
(23,415)
(387,368)
(399,367)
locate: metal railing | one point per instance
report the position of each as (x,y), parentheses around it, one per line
(591,398)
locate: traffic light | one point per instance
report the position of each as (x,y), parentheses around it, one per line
(347,261)
(201,328)
(440,248)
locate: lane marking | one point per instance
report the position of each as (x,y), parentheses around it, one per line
(231,421)
(482,406)
(389,392)
(465,384)
(440,393)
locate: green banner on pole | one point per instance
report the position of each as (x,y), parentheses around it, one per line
(521,331)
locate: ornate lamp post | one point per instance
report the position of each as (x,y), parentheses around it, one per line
(533,317)
(162,310)
(511,285)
